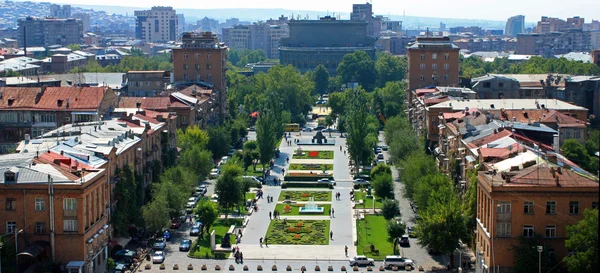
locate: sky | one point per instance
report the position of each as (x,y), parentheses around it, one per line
(464,9)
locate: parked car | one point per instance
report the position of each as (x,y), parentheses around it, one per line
(404,241)
(159,244)
(379,156)
(175,223)
(378,150)
(360,181)
(397,261)
(201,190)
(251,129)
(326,180)
(252,178)
(261,179)
(307,129)
(327,130)
(158,257)
(361,260)
(214,173)
(167,235)
(185,245)
(412,233)
(385,147)
(197,225)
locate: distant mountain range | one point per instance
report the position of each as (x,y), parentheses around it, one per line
(410,22)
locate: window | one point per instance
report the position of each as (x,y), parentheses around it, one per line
(574,207)
(446,56)
(503,230)
(209,66)
(185,56)
(422,66)
(434,66)
(528,231)
(40,228)
(422,77)
(567,134)
(500,85)
(551,231)
(551,207)
(434,56)
(70,204)
(594,205)
(487,85)
(422,56)
(446,66)
(185,67)
(70,225)
(11,204)
(576,133)
(147,83)
(197,67)
(528,207)
(40,204)
(503,208)
(208,56)
(197,56)
(11,227)
(445,77)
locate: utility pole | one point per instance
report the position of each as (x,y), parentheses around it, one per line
(540,249)
(51,198)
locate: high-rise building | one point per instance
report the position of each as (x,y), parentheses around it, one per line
(49,31)
(515,25)
(158,24)
(324,41)
(550,24)
(554,43)
(61,12)
(85,20)
(256,36)
(432,61)
(202,59)
(181,24)
(364,12)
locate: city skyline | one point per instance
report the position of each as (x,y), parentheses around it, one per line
(464,9)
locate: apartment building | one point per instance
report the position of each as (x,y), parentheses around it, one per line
(185,114)
(550,24)
(61,12)
(364,12)
(548,44)
(147,83)
(158,24)
(542,199)
(49,31)
(515,25)
(202,60)
(56,206)
(260,36)
(432,61)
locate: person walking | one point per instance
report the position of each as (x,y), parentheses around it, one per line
(332,213)
(270,215)
(331,235)
(242,256)
(346,250)
(260,240)
(267,241)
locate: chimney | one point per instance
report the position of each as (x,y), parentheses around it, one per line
(559,170)
(552,171)
(557,180)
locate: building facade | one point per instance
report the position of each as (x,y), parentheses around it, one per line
(324,41)
(515,25)
(540,200)
(260,36)
(60,12)
(202,59)
(432,61)
(550,24)
(554,43)
(147,83)
(158,24)
(49,31)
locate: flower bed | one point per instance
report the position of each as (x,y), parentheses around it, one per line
(296,176)
(311,167)
(313,155)
(299,232)
(290,210)
(305,195)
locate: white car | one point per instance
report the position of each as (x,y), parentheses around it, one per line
(214,173)
(361,260)
(326,180)
(397,261)
(158,257)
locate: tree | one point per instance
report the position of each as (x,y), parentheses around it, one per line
(228,187)
(74,47)
(356,121)
(526,255)
(12,73)
(413,168)
(389,99)
(381,169)
(128,205)
(433,188)
(198,160)
(389,208)
(193,135)
(390,68)
(321,79)
(218,141)
(358,67)
(574,151)
(442,226)
(268,128)
(337,102)
(583,237)
(208,213)
(383,186)
(156,214)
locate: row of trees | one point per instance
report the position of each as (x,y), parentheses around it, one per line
(584,155)
(241,57)
(474,67)
(137,61)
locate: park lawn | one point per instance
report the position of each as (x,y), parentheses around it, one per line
(279,142)
(373,230)
(250,195)
(322,155)
(252,172)
(295,209)
(311,167)
(305,195)
(201,248)
(298,232)
(368,201)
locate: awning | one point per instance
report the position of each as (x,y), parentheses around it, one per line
(32,251)
(469,158)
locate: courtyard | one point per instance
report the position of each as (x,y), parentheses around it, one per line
(298,232)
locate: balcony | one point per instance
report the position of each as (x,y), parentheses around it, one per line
(72,213)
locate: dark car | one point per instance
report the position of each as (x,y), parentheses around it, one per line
(167,235)
(175,223)
(185,245)
(194,231)
(404,241)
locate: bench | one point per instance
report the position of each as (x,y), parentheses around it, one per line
(231,229)
(246,220)
(361,202)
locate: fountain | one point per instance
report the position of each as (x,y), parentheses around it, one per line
(311,207)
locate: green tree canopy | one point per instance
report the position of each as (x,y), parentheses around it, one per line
(389,100)
(229,187)
(577,153)
(389,208)
(355,116)
(383,186)
(526,255)
(207,212)
(321,79)
(358,67)
(198,160)
(218,141)
(156,214)
(268,128)
(583,237)
(192,135)
(381,169)
(390,68)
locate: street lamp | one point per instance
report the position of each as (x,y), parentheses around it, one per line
(540,249)
(17,246)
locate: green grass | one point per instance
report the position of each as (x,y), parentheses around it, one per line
(368,201)
(252,172)
(372,230)
(309,232)
(296,209)
(305,195)
(311,167)
(250,195)
(322,155)
(279,142)
(201,247)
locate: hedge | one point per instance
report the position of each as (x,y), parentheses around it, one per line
(307,178)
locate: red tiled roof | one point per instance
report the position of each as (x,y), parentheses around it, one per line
(421,92)
(18,97)
(52,98)
(503,153)
(544,177)
(153,103)
(435,101)
(147,118)
(63,164)
(200,91)
(562,120)
(485,140)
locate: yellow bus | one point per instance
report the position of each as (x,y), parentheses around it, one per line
(292,127)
